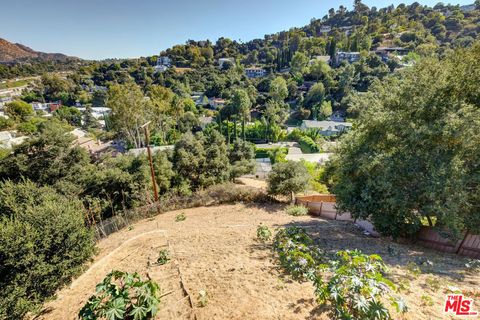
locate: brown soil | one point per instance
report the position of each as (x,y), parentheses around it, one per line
(215,250)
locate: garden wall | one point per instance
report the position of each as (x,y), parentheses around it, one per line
(323,205)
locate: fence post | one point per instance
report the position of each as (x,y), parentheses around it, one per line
(461,243)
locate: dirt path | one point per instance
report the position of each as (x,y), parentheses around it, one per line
(215,250)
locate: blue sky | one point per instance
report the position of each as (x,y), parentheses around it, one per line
(98,29)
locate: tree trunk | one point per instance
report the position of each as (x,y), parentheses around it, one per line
(235,127)
(228,131)
(429,221)
(243,127)
(292,198)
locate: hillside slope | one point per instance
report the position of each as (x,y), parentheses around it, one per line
(10,52)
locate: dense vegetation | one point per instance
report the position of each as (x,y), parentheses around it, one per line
(349,284)
(414,156)
(411,159)
(122,295)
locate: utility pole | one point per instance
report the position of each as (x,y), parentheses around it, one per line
(149,152)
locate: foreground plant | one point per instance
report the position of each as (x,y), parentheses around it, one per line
(163,256)
(180,217)
(356,287)
(263,233)
(296,252)
(123,295)
(295,210)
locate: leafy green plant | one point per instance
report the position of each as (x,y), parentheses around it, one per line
(295,210)
(355,287)
(180,217)
(163,257)
(263,233)
(427,301)
(414,269)
(433,283)
(403,285)
(296,252)
(202,298)
(122,295)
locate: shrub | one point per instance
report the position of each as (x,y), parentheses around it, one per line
(122,295)
(202,298)
(294,210)
(163,257)
(180,217)
(287,178)
(308,145)
(43,244)
(355,287)
(263,233)
(296,252)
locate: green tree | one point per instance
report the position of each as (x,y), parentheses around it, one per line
(99,98)
(299,63)
(19,110)
(164,172)
(241,104)
(414,157)
(326,109)
(89,121)
(71,115)
(278,89)
(287,178)
(314,98)
(129,111)
(53,246)
(242,159)
(45,158)
(200,161)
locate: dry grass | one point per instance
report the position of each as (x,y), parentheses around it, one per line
(215,250)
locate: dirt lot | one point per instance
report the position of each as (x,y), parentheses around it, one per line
(215,250)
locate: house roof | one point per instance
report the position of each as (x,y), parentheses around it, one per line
(325,125)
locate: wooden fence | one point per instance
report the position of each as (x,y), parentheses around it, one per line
(323,205)
(468,246)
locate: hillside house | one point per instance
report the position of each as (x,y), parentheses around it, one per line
(199,98)
(325,29)
(255,72)
(385,53)
(216,103)
(327,128)
(349,57)
(163,63)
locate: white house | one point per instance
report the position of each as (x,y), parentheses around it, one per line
(327,128)
(163,63)
(255,72)
(325,29)
(350,57)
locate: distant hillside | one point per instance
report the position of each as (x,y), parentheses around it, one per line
(10,52)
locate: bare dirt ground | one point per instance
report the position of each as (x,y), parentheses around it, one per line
(215,250)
